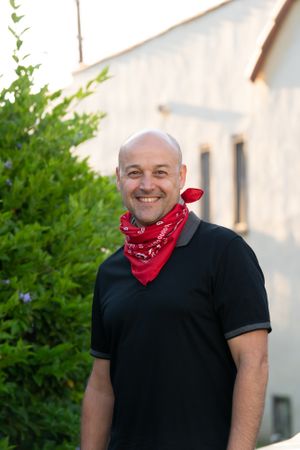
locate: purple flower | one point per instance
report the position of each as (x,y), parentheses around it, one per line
(19,145)
(26,298)
(8,182)
(8,164)
(5,281)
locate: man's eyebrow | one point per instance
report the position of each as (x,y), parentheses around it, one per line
(137,166)
(132,166)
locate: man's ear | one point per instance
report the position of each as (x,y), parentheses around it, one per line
(118,178)
(182,175)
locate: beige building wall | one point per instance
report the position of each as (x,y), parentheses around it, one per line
(191,82)
(274,207)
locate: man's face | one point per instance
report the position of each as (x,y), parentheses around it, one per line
(149,178)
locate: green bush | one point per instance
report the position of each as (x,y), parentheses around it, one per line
(58,221)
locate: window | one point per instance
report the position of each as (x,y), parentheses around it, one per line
(282,418)
(205,182)
(240,185)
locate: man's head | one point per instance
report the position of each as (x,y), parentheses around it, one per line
(150,175)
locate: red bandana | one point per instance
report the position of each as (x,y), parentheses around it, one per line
(149,248)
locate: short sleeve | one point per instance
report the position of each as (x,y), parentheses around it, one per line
(240,297)
(99,344)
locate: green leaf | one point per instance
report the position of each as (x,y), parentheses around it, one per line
(102,76)
(19,44)
(4,444)
(16,18)
(13,32)
(13,4)
(25,30)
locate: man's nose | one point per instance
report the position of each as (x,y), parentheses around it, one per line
(147,183)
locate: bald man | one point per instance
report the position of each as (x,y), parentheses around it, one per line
(179,323)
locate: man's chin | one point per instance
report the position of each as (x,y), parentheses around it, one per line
(146,221)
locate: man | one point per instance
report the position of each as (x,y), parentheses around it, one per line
(180,321)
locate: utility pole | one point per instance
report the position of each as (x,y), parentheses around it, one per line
(79,32)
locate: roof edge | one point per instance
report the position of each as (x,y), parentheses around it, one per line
(267,38)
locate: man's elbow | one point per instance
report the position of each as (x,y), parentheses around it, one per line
(264,367)
(256,368)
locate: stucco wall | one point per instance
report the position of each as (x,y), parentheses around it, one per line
(197,71)
(274,209)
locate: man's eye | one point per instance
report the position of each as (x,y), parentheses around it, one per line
(133,173)
(161,173)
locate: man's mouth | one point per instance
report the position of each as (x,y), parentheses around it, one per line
(147,199)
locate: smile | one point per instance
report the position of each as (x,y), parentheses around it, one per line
(148,199)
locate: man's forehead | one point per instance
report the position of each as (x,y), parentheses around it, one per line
(153,157)
(150,144)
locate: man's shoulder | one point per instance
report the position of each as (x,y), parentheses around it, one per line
(114,257)
(211,232)
(112,262)
(114,266)
(215,231)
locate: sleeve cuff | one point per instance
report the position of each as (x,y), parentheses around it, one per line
(97,354)
(247,328)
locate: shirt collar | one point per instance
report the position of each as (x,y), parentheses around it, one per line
(188,230)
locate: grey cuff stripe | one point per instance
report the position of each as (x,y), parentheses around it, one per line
(246,328)
(100,354)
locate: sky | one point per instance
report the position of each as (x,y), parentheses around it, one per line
(107,27)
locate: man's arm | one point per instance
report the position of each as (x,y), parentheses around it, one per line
(250,354)
(97,408)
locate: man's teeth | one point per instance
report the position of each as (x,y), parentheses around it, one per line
(147,199)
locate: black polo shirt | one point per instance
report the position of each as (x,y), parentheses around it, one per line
(171,368)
